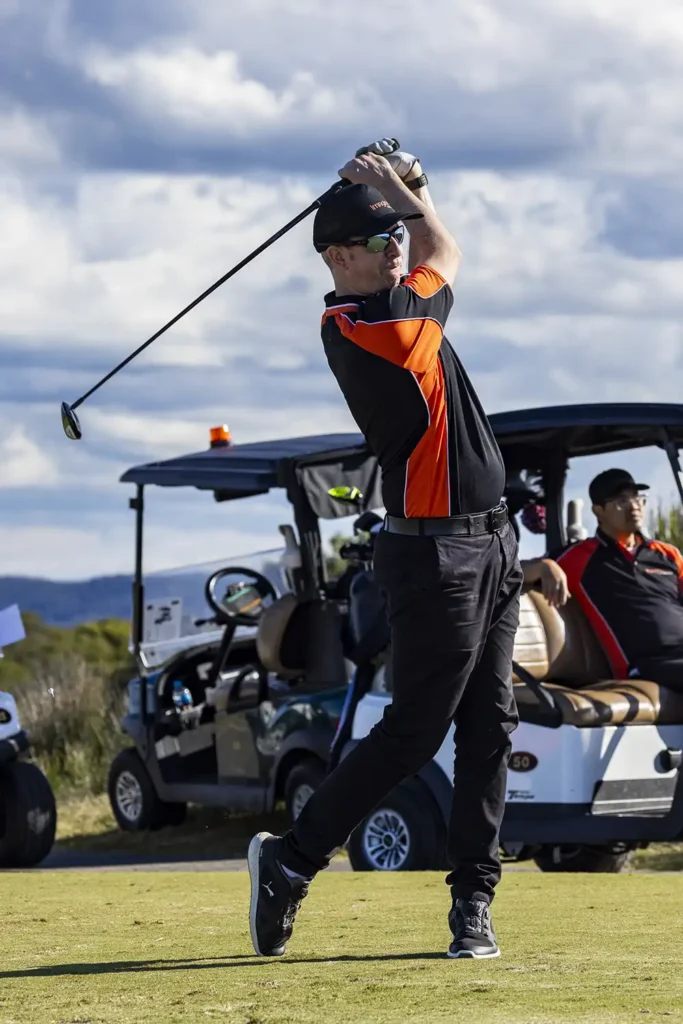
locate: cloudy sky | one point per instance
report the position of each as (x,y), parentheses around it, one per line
(147,145)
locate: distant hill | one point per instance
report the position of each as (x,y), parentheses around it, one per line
(105,597)
(71,603)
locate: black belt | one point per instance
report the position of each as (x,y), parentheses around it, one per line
(459,526)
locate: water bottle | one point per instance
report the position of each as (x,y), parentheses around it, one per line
(182,698)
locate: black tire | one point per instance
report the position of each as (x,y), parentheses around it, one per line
(583,858)
(302,781)
(411,819)
(133,798)
(28,815)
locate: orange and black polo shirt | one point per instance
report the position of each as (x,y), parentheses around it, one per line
(411,398)
(632,599)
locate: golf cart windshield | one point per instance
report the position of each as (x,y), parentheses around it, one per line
(176,615)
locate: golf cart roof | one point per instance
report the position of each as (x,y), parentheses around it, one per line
(315,463)
(538,436)
(527,437)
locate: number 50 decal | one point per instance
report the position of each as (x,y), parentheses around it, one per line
(522,762)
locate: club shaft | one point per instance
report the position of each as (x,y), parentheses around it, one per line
(273,238)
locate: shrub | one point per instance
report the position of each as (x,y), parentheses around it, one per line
(71,712)
(667,525)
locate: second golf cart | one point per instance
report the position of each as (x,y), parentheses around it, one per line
(596,765)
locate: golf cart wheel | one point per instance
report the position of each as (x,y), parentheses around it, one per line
(607,859)
(133,798)
(28,816)
(405,832)
(301,783)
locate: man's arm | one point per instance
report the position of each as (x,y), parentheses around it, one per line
(552,578)
(431,243)
(423,195)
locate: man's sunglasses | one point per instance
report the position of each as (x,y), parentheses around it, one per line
(624,501)
(378,243)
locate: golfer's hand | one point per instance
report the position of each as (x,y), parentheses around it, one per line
(368,169)
(554,583)
(401,162)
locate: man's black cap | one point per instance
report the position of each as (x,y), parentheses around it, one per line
(356,211)
(609,484)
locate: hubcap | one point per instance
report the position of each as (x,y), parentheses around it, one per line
(386,840)
(129,797)
(302,794)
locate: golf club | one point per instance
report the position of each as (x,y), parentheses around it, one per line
(70,423)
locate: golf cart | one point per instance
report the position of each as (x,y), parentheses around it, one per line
(595,770)
(243,668)
(28,816)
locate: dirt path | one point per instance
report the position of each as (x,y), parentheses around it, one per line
(75,860)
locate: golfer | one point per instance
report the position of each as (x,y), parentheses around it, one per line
(446,557)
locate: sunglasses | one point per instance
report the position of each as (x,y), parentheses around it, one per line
(378,243)
(625,501)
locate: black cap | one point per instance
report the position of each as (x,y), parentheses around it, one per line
(356,211)
(611,483)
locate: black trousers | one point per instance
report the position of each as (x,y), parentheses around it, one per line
(453,605)
(665,668)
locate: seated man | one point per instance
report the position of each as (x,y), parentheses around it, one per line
(628,587)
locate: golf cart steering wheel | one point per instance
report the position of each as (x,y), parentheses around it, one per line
(243,598)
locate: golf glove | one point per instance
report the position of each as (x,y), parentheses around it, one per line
(400,161)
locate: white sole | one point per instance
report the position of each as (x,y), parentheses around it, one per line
(253,854)
(472,956)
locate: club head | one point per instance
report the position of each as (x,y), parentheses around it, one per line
(70,424)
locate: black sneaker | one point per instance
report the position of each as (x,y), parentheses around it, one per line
(473,935)
(275,898)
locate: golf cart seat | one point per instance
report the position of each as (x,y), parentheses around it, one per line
(275,639)
(301,639)
(558,647)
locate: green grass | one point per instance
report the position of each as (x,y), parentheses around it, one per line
(659,857)
(91,948)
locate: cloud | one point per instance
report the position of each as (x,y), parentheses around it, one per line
(125,253)
(102,272)
(574,85)
(206,93)
(23,463)
(70,553)
(645,219)
(25,139)
(146,147)
(504,84)
(160,437)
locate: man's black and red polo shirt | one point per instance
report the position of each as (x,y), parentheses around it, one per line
(410,396)
(632,599)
